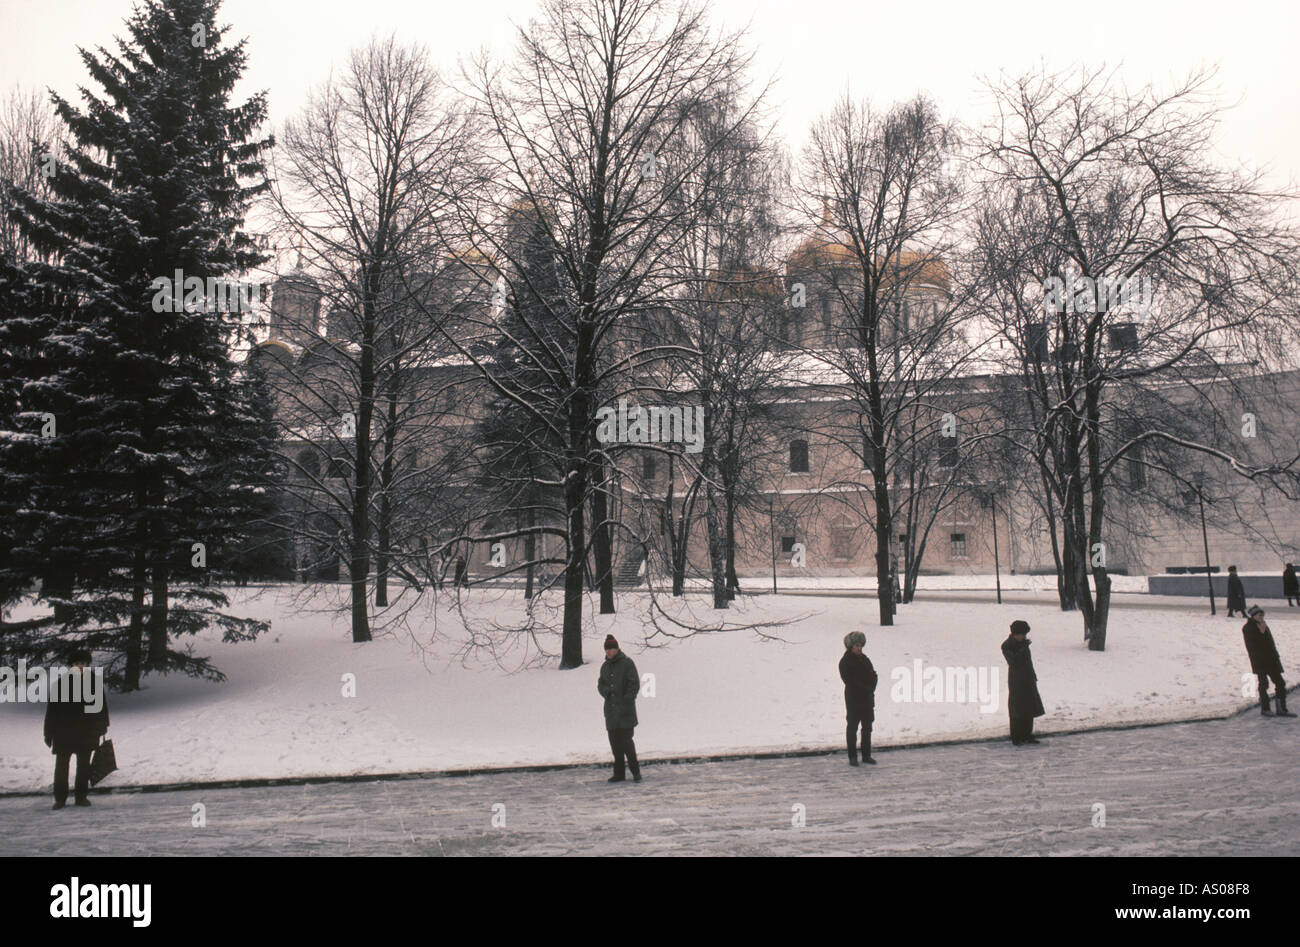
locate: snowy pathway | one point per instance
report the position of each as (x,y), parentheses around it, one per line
(1219,788)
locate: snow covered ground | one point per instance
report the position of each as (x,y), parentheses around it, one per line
(1226,787)
(423,703)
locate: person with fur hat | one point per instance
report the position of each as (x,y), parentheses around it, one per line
(1265,662)
(1023,702)
(619,684)
(859,679)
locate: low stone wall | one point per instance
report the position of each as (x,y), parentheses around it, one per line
(1257,586)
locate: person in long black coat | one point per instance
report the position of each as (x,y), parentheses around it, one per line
(859,679)
(1265,662)
(1291,585)
(1236,593)
(73,729)
(1023,702)
(619,684)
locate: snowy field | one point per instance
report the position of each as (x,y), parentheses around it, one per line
(424,702)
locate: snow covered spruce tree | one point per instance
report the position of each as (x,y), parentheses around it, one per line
(141,444)
(577,122)
(1141,286)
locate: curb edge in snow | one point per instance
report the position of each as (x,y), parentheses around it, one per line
(605,764)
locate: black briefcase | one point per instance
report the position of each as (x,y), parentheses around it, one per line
(102,762)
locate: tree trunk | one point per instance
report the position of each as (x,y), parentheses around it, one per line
(386,507)
(601,540)
(530,552)
(158,614)
(135,632)
(359,559)
(884,525)
(733,582)
(717,552)
(574,566)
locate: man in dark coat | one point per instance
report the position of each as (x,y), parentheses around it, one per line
(619,684)
(462,574)
(1264,661)
(1236,593)
(1291,585)
(73,728)
(1023,702)
(859,679)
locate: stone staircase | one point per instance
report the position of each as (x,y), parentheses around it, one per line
(628,574)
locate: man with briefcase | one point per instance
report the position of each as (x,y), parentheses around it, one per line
(73,728)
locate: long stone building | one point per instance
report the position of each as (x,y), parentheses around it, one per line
(807,506)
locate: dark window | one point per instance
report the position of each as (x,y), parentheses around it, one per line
(1122,337)
(339,468)
(798,456)
(868,453)
(647,466)
(947,451)
(1036,341)
(826,315)
(958,545)
(787,543)
(1137,468)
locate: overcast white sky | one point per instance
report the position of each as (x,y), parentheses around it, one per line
(813,48)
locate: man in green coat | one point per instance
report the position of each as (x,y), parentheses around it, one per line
(619,684)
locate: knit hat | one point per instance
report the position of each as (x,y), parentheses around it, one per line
(854,637)
(611,642)
(1254,610)
(1019,627)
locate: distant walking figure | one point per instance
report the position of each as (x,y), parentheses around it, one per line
(1291,585)
(1264,661)
(1236,593)
(859,679)
(462,574)
(619,684)
(1023,702)
(72,729)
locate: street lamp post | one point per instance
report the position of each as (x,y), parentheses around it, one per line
(997,562)
(1205,540)
(771,527)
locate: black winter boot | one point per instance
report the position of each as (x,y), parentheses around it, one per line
(1281,705)
(1263,705)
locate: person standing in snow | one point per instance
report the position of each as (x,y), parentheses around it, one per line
(1291,585)
(619,684)
(462,574)
(859,679)
(1023,702)
(1264,661)
(72,729)
(1236,593)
